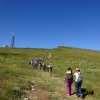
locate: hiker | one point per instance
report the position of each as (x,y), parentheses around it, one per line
(50,67)
(78,82)
(43,66)
(30,62)
(68,80)
(35,64)
(40,65)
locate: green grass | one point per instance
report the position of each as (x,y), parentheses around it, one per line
(15,71)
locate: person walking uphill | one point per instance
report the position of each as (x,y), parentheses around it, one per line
(68,80)
(50,67)
(43,66)
(78,82)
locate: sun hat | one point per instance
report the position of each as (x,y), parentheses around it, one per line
(77,69)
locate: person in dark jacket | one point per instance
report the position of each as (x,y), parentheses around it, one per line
(68,80)
(43,66)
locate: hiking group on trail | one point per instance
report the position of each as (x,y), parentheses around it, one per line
(70,77)
(39,62)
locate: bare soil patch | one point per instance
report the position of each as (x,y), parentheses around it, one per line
(38,94)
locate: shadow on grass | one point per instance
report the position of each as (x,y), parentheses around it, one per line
(85,92)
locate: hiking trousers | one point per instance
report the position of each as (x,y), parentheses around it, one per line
(68,86)
(78,87)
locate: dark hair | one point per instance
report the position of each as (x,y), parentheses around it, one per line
(70,70)
(69,76)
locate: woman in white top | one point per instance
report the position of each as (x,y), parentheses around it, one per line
(78,82)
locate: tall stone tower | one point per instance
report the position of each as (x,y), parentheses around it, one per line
(13,40)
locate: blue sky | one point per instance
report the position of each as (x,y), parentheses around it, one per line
(50,23)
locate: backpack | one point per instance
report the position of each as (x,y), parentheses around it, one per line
(79,77)
(69,77)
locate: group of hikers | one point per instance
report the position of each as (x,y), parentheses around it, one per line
(39,62)
(69,76)
(77,77)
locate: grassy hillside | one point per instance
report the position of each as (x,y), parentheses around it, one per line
(16,73)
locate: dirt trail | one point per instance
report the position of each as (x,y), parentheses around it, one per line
(61,89)
(60,92)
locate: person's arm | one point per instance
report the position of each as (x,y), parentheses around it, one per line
(74,76)
(65,75)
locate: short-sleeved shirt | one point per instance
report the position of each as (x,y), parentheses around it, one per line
(78,76)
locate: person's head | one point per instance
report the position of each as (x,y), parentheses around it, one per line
(77,69)
(69,70)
